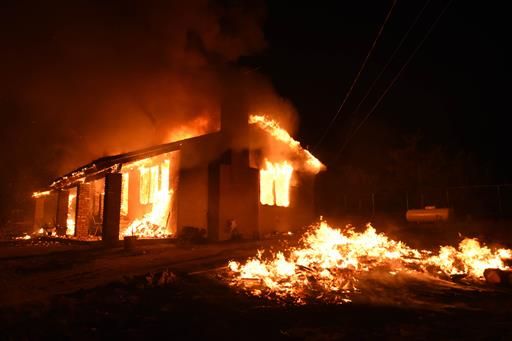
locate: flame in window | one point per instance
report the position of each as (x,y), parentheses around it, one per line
(124,193)
(70,221)
(155,192)
(275,183)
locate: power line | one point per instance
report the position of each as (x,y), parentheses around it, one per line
(392,81)
(379,33)
(404,38)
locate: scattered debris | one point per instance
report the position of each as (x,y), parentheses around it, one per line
(192,234)
(152,279)
(498,276)
(328,263)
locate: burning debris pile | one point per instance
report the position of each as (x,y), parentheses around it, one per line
(154,223)
(328,262)
(23,237)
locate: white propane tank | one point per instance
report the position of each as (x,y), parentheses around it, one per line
(430,214)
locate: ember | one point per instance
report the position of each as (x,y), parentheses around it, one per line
(328,261)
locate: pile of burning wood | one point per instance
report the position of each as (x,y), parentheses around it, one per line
(328,263)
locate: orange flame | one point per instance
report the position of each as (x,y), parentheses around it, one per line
(311,164)
(471,258)
(198,126)
(70,221)
(40,194)
(329,260)
(275,183)
(154,190)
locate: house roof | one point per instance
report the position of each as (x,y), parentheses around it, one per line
(108,164)
(198,150)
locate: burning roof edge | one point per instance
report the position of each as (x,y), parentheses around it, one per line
(111,163)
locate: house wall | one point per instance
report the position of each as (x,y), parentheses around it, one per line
(273,219)
(38,213)
(238,201)
(45,213)
(303,210)
(193,198)
(232,197)
(225,195)
(49,216)
(300,213)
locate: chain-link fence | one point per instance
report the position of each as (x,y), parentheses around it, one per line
(489,201)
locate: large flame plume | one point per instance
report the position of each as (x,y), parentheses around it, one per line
(327,263)
(275,183)
(199,126)
(153,224)
(71,216)
(272,127)
(154,191)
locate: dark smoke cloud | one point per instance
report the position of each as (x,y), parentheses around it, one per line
(82,79)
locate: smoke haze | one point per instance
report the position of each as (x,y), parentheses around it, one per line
(83,79)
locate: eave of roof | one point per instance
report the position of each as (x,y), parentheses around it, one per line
(106,163)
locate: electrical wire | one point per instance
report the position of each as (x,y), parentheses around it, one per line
(347,95)
(379,100)
(399,46)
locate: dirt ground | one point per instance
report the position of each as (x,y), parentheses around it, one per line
(35,270)
(83,291)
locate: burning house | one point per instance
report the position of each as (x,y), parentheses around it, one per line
(248,179)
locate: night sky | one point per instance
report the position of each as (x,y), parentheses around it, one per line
(453,93)
(451,97)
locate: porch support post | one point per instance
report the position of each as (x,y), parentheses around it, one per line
(112,208)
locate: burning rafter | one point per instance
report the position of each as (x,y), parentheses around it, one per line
(40,194)
(272,127)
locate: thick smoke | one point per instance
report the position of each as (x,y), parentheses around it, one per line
(83,79)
